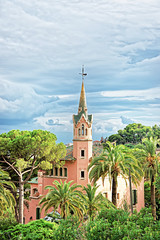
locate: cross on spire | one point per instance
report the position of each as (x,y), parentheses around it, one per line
(83,74)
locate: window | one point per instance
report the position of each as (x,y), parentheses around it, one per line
(79,131)
(86,131)
(65,172)
(52,171)
(117,195)
(134,194)
(82,153)
(82,129)
(56,171)
(60,172)
(82,174)
(106,194)
(38,213)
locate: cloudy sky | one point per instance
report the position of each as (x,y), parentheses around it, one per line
(43,45)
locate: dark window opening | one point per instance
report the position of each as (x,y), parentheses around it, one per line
(82,153)
(56,171)
(134,194)
(82,174)
(38,213)
(61,172)
(117,195)
(106,194)
(83,129)
(52,171)
(35,190)
(65,172)
(79,131)
(86,131)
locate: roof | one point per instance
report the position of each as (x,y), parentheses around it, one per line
(82,101)
(34,180)
(82,110)
(69,154)
(78,117)
(97,150)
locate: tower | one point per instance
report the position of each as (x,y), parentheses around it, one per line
(82,137)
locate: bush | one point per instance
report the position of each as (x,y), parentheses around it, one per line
(35,230)
(114,215)
(68,230)
(98,230)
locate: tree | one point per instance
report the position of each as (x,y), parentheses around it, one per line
(92,201)
(6,198)
(114,161)
(24,151)
(150,165)
(132,133)
(65,196)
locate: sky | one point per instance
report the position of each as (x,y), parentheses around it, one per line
(43,45)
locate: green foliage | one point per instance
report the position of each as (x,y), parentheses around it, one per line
(147,196)
(113,215)
(68,230)
(110,224)
(150,165)
(24,151)
(134,133)
(98,230)
(36,230)
(92,201)
(114,161)
(7,221)
(7,200)
(65,196)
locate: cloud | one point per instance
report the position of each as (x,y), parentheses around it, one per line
(134,95)
(126,120)
(43,45)
(52,122)
(109,126)
(19,102)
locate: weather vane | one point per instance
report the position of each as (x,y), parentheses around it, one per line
(82,73)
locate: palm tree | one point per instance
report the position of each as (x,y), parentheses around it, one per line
(6,198)
(92,201)
(65,196)
(114,161)
(150,165)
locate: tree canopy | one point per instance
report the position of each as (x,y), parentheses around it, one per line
(134,133)
(24,151)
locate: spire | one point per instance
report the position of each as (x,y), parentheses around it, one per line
(82,101)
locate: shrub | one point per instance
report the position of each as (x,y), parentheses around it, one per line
(98,230)
(68,230)
(35,230)
(114,215)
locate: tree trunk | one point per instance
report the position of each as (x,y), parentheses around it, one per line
(153,200)
(21,197)
(114,190)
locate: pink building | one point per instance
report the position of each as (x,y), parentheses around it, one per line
(75,168)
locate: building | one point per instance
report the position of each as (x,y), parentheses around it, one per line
(75,168)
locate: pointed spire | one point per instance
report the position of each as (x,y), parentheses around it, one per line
(82,101)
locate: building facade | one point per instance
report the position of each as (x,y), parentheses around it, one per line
(77,160)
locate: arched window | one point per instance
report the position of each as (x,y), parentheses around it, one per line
(79,131)
(82,129)
(86,131)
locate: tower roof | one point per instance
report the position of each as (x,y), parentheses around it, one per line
(82,101)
